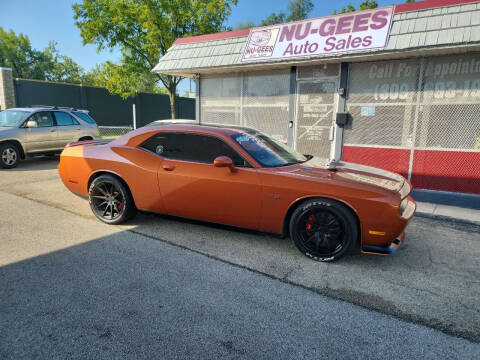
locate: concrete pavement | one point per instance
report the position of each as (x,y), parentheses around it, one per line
(76,288)
(432,280)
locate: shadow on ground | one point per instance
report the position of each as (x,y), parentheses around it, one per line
(126,296)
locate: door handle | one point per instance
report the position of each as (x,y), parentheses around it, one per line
(52,130)
(78,129)
(168,167)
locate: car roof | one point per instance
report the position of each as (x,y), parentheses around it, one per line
(139,135)
(46,108)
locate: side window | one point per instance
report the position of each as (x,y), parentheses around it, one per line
(64,119)
(43,118)
(192,147)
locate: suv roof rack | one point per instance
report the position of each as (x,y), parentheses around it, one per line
(59,107)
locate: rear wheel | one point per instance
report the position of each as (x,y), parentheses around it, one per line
(9,155)
(323,229)
(110,200)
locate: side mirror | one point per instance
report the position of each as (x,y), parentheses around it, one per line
(224,161)
(32,124)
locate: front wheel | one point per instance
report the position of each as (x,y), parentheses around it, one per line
(110,200)
(323,229)
(9,156)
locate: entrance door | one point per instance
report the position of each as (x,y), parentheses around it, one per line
(316,105)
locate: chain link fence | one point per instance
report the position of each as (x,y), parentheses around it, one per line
(113,132)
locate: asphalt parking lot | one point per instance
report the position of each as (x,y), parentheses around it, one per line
(433,280)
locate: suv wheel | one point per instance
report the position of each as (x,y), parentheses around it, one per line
(9,155)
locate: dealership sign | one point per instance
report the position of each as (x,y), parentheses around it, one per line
(343,33)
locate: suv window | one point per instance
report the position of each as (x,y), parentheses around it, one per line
(64,119)
(84,116)
(43,118)
(191,147)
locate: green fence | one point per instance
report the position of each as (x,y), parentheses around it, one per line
(105,108)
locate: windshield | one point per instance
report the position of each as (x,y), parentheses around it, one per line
(10,118)
(268,152)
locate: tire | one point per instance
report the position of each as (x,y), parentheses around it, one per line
(111,200)
(323,229)
(9,155)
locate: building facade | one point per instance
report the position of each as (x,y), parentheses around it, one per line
(413,102)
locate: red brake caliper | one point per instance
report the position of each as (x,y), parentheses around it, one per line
(311,219)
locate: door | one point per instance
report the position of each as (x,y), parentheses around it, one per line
(316,111)
(192,187)
(44,136)
(68,129)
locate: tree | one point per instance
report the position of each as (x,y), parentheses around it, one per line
(367,4)
(298,10)
(118,79)
(343,10)
(17,53)
(409,1)
(144,30)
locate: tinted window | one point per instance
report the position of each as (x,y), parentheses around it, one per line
(64,119)
(191,147)
(43,118)
(84,116)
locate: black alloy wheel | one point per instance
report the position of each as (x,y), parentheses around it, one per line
(110,200)
(323,229)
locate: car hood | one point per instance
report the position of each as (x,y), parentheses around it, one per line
(349,172)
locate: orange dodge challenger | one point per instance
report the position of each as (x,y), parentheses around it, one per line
(241,177)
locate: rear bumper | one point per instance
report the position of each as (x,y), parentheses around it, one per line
(387,250)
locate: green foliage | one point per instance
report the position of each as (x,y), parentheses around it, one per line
(17,53)
(144,30)
(409,1)
(245,25)
(349,8)
(367,4)
(274,19)
(297,10)
(122,80)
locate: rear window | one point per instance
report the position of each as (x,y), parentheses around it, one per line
(84,116)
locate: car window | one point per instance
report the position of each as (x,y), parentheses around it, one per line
(84,116)
(64,119)
(43,118)
(192,147)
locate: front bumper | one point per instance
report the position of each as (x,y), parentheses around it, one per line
(388,250)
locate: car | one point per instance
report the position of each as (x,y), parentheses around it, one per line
(243,178)
(41,130)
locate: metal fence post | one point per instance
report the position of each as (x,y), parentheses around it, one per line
(134,113)
(341,107)
(291,106)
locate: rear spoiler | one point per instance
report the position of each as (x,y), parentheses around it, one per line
(89,142)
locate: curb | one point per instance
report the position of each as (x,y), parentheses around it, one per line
(447,218)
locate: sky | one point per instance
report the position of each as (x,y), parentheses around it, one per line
(46,20)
